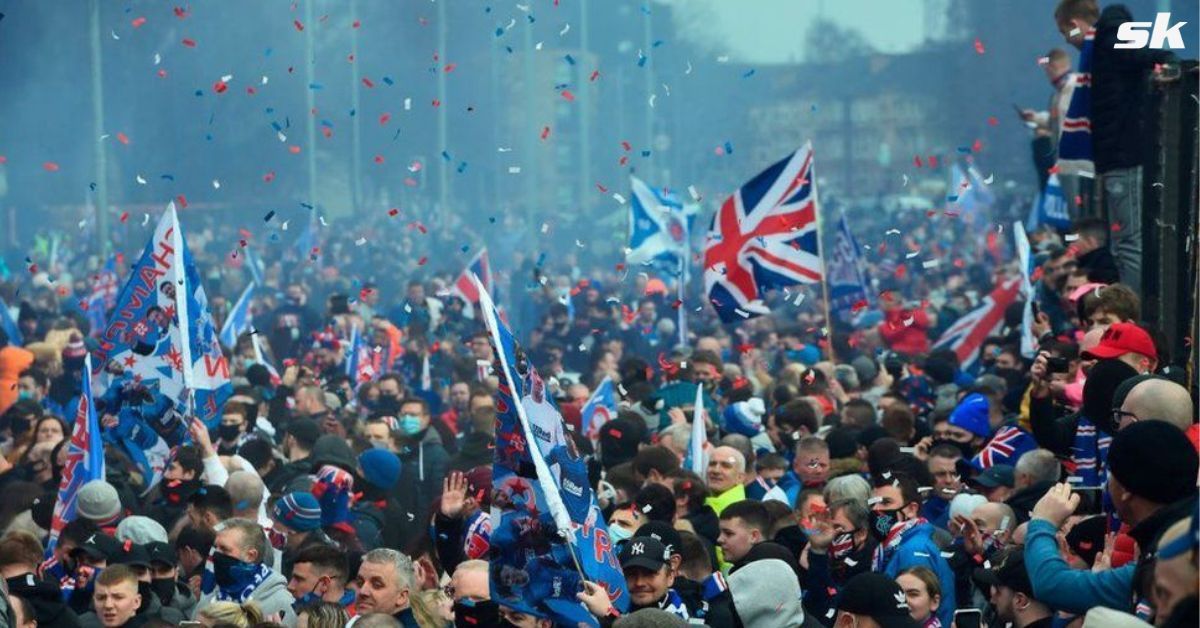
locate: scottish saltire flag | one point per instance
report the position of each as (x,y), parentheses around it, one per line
(1050,208)
(966,335)
(968,190)
(105,284)
(600,408)
(1075,137)
(1025,258)
(239,320)
(660,227)
(159,360)
(764,237)
(698,444)
(848,291)
(10,327)
(464,286)
(545,519)
(85,460)
(1007,445)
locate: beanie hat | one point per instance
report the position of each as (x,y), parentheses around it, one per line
(380,468)
(98,500)
(298,511)
(842,442)
(1154,460)
(745,417)
(141,530)
(75,348)
(972,415)
(767,593)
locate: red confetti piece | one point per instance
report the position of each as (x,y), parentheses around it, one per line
(917,161)
(603,190)
(162,73)
(625,145)
(383,119)
(182,201)
(181,12)
(298,24)
(1115,227)
(858,306)
(33,268)
(295,150)
(568,96)
(378,159)
(449,67)
(250,91)
(190,43)
(595,75)
(676,304)
(50,166)
(545,132)
(138,21)
(367,82)
(959,263)
(623,160)
(410,182)
(122,138)
(220,87)
(1053,169)
(977,146)
(933,161)
(356,24)
(421,262)
(3,159)
(269,177)
(993,120)
(124,217)
(979,46)
(393,211)
(437,103)
(621,267)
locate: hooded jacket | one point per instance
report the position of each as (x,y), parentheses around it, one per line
(426,460)
(272,596)
(46,599)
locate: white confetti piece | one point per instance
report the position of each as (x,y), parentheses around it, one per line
(284,226)
(905,184)
(579,243)
(226,78)
(911,255)
(799,299)
(216,184)
(537,46)
(652,97)
(694,194)
(145,219)
(620,199)
(140,180)
(1074,32)
(114,35)
(1071,237)
(157,58)
(503,149)
(265,80)
(281,136)
(408,104)
(689,68)
(930,263)
(322,219)
(360,242)
(545,227)
(514,170)
(850,562)
(565,29)
(723,59)
(989,179)
(82,223)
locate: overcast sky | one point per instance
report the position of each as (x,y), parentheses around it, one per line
(771,31)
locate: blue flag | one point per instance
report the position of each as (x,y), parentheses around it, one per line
(10,327)
(848,291)
(85,460)
(1050,208)
(255,266)
(969,191)
(600,408)
(159,360)
(239,320)
(547,527)
(660,227)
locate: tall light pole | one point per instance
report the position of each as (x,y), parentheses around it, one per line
(310,99)
(442,131)
(355,124)
(101,158)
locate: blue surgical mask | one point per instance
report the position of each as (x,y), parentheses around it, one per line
(24,394)
(410,424)
(618,534)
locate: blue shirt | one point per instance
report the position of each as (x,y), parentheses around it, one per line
(1062,588)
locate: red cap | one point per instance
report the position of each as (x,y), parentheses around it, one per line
(1122,338)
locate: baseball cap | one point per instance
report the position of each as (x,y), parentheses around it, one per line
(133,554)
(996,475)
(1122,338)
(664,533)
(99,546)
(878,597)
(161,553)
(646,552)
(1009,573)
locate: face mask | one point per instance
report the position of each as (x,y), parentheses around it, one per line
(229,432)
(164,588)
(965,448)
(24,394)
(618,534)
(842,545)
(146,590)
(231,572)
(311,597)
(294,301)
(468,613)
(410,424)
(882,522)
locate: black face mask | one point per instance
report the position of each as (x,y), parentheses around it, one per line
(146,590)
(965,448)
(477,614)
(229,432)
(164,588)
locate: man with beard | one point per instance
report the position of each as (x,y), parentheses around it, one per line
(291,323)
(839,548)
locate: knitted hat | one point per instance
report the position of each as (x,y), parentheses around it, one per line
(972,415)
(867,370)
(380,468)
(766,593)
(1155,461)
(299,511)
(97,500)
(141,530)
(745,417)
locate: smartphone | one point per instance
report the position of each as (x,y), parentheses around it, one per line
(968,618)
(1091,500)
(1036,310)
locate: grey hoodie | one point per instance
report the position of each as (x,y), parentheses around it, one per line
(271,596)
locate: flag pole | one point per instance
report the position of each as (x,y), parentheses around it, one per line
(824,271)
(181,311)
(683,277)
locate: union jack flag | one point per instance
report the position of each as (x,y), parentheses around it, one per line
(967,334)
(1007,445)
(105,286)
(465,287)
(764,237)
(85,459)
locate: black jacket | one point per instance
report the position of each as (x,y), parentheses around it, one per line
(1100,265)
(715,610)
(1147,533)
(1022,501)
(46,599)
(1120,94)
(706,523)
(474,450)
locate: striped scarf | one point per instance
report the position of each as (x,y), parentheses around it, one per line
(1075,140)
(1089,454)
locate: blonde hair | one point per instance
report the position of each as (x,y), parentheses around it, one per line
(324,615)
(425,608)
(232,613)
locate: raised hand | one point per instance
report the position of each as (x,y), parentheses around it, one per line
(1058,504)
(454,494)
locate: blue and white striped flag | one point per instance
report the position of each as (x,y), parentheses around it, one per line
(240,320)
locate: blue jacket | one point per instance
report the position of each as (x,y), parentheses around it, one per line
(937,511)
(917,549)
(1073,590)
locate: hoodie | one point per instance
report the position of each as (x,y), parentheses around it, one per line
(46,599)
(914,547)
(271,596)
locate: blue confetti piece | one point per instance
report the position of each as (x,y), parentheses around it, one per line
(657,43)
(208,136)
(352,112)
(541,258)
(315,86)
(269,110)
(814,107)
(269,216)
(953,198)
(965,150)
(570,59)
(306,206)
(275,125)
(327,123)
(748,73)
(641,60)
(492,219)
(168,177)
(92,186)
(487,9)
(199,93)
(646,9)
(445,156)
(531,19)
(462,167)
(509,49)
(645,153)
(287,122)
(267,52)
(396,136)
(499,31)
(388,80)
(465,248)
(274,237)
(728,148)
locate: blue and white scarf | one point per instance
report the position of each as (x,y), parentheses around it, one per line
(673,604)
(245,586)
(1090,454)
(1075,140)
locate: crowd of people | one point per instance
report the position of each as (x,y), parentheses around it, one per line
(854,474)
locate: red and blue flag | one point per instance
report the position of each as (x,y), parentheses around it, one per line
(85,460)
